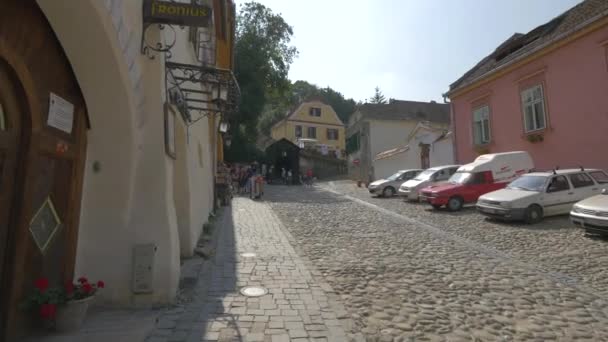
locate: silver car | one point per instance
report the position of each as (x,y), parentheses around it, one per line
(388,187)
(409,190)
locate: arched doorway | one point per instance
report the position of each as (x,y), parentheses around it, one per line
(42,151)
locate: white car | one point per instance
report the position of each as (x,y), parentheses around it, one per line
(388,187)
(592,213)
(538,194)
(410,189)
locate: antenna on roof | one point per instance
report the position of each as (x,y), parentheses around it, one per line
(582,168)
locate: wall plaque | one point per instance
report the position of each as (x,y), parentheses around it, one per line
(61,114)
(45,224)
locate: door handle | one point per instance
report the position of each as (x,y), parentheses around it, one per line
(571,193)
(594,189)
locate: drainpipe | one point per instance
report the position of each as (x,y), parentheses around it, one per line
(453,129)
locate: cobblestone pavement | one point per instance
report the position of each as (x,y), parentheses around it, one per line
(296,307)
(553,245)
(405,273)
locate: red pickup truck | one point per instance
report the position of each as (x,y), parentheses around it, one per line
(489,172)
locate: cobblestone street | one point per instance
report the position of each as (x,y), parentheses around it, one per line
(406,273)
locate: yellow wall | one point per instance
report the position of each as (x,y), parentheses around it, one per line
(327,120)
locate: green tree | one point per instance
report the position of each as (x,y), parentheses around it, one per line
(263,55)
(378,97)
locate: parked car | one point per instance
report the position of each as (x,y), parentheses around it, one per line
(539,194)
(489,172)
(592,213)
(434,175)
(388,187)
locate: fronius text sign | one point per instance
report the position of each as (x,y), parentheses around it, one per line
(162,12)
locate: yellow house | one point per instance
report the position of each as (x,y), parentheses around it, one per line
(312,123)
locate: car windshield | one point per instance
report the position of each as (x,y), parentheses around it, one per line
(528,183)
(460,177)
(425,175)
(395,176)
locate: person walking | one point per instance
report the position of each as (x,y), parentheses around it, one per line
(309,176)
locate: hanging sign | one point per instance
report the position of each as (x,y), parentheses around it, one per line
(172,13)
(61,114)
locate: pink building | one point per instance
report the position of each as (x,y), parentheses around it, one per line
(545,92)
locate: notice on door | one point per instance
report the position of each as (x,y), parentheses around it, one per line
(61,114)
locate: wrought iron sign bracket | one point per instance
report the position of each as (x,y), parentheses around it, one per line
(161,46)
(195,104)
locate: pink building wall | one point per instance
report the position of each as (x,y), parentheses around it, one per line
(575,83)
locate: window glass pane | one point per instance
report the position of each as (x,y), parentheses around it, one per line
(539,112)
(537,93)
(526,96)
(600,177)
(486,131)
(2,119)
(580,180)
(529,118)
(559,183)
(477,133)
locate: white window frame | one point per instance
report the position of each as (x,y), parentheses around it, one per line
(532,104)
(483,112)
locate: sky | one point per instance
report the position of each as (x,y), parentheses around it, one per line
(411,49)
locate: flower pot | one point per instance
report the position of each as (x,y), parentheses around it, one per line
(71,315)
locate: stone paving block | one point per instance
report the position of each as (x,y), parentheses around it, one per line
(211,336)
(255,312)
(297,333)
(254,337)
(258,327)
(275,324)
(294,325)
(281,338)
(289,312)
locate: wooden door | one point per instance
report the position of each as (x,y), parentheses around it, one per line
(425,161)
(10,132)
(43,161)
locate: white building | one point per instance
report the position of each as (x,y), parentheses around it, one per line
(111,163)
(426,146)
(377,128)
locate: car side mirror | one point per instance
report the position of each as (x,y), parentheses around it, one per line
(552,188)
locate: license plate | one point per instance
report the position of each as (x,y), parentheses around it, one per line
(596,222)
(488,210)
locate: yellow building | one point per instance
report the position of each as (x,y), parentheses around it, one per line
(313,124)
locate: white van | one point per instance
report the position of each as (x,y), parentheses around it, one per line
(489,172)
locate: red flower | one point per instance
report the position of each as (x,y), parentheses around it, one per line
(87,288)
(48,310)
(69,288)
(83,280)
(101,284)
(42,284)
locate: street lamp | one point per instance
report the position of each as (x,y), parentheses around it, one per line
(219,91)
(224,127)
(227,140)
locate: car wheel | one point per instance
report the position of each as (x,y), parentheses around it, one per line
(455,203)
(534,214)
(437,206)
(389,191)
